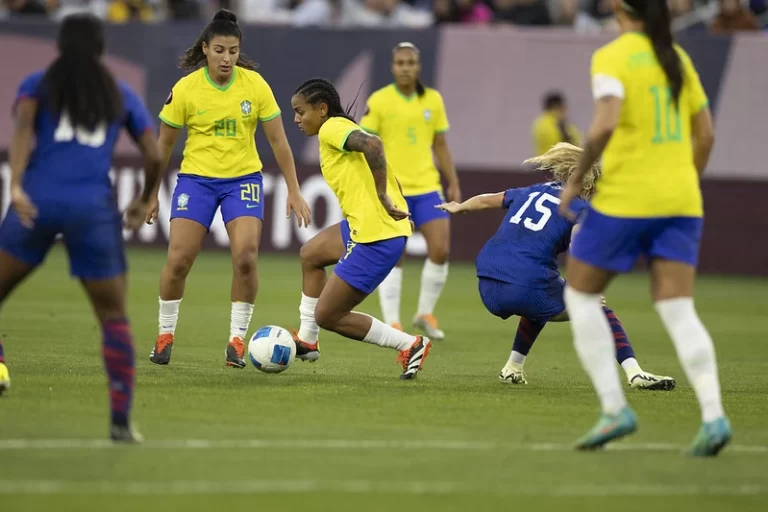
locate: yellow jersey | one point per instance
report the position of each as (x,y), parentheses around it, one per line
(351,180)
(547,131)
(221,121)
(648,167)
(407,126)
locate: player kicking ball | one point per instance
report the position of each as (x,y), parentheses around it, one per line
(517,267)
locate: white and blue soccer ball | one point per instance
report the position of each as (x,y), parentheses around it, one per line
(272,349)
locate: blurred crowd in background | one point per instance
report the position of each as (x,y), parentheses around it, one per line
(584,15)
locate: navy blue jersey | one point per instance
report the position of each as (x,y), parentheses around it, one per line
(70,162)
(524,250)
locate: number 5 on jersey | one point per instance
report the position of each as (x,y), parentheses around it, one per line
(540,206)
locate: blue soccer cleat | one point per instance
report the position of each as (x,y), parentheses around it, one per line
(609,428)
(712,438)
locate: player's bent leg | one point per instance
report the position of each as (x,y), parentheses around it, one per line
(323,250)
(390,292)
(244,236)
(672,288)
(185,241)
(107,297)
(437,233)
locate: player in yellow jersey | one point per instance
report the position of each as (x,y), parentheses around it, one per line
(412,123)
(220,102)
(366,246)
(654,130)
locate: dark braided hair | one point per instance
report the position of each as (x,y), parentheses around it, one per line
(224,23)
(420,89)
(77,83)
(655,16)
(319,90)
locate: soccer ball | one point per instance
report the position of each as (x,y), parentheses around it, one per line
(271,349)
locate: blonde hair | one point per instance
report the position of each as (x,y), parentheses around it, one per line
(561,160)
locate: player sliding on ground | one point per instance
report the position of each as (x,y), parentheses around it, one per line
(517,267)
(653,127)
(366,246)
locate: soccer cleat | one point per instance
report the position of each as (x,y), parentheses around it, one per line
(125,434)
(428,325)
(412,359)
(306,351)
(161,353)
(712,438)
(235,353)
(5,379)
(512,374)
(651,382)
(609,428)
(397,325)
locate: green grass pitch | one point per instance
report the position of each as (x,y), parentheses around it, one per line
(345,433)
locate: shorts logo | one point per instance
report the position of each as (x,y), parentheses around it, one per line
(182,202)
(427,114)
(245,107)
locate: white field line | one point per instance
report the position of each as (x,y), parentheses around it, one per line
(229,487)
(341,444)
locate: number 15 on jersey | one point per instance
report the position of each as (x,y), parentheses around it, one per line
(540,206)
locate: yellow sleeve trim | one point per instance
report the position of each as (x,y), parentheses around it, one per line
(702,106)
(269,118)
(444,130)
(172,125)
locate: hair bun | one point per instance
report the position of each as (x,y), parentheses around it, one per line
(225,15)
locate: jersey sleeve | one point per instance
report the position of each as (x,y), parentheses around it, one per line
(137,117)
(268,107)
(697,98)
(441,116)
(28,88)
(607,78)
(174,112)
(509,198)
(371,119)
(335,133)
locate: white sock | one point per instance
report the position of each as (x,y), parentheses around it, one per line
(240,319)
(433,278)
(517,358)
(593,340)
(385,336)
(309,330)
(389,296)
(631,367)
(169,315)
(696,353)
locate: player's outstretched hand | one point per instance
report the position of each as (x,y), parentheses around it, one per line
(136,214)
(299,206)
(24,207)
(152,208)
(570,192)
(452,207)
(391,209)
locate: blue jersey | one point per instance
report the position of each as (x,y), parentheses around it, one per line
(69,163)
(524,250)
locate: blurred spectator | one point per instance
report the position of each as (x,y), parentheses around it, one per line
(595,16)
(123,11)
(396,13)
(553,126)
(25,8)
(462,11)
(185,9)
(733,17)
(522,12)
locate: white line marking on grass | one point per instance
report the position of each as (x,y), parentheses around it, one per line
(341,444)
(229,487)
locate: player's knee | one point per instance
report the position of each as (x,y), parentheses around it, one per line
(178,265)
(438,255)
(325,317)
(308,255)
(244,260)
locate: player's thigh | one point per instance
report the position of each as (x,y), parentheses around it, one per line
(12,272)
(107,296)
(337,299)
(673,253)
(184,243)
(365,265)
(327,247)
(244,237)
(437,233)
(671,279)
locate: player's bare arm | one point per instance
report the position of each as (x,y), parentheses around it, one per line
(479,202)
(20,149)
(446,167)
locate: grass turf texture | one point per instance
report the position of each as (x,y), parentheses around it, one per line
(453,439)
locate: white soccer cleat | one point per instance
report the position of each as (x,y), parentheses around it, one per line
(512,374)
(428,325)
(651,382)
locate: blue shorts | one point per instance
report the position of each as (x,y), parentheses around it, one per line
(364,266)
(197,198)
(616,243)
(505,300)
(93,239)
(422,208)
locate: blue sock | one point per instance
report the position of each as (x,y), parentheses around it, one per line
(623,348)
(119,360)
(527,332)
(2,354)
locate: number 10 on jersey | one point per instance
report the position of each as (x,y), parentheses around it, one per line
(667,123)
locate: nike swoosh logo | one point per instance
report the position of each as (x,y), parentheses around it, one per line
(249,206)
(201,112)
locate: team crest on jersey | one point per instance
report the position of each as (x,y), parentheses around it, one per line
(182,202)
(245,107)
(427,114)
